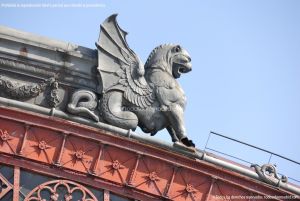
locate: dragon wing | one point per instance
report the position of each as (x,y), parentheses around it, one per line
(119,67)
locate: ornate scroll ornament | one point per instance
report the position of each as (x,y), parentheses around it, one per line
(60,190)
(147,95)
(19,90)
(268,174)
(22,90)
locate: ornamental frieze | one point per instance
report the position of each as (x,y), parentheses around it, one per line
(95,157)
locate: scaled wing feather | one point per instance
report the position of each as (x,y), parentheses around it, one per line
(119,67)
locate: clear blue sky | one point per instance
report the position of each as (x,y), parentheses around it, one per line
(245,81)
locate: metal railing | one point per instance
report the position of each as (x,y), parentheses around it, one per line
(271,154)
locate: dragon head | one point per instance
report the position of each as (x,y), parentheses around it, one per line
(180,61)
(171,58)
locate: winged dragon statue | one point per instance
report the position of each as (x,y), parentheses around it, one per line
(134,94)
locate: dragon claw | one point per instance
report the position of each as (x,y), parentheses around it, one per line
(153,133)
(187,142)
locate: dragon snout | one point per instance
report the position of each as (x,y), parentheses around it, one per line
(188,58)
(184,59)
(186,65)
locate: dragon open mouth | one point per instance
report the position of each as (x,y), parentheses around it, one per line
(181,65)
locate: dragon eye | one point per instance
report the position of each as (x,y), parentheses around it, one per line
(177,48)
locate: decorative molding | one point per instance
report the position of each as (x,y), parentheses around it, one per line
(25,67)
(54,190)
(69,77)
(268,173)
